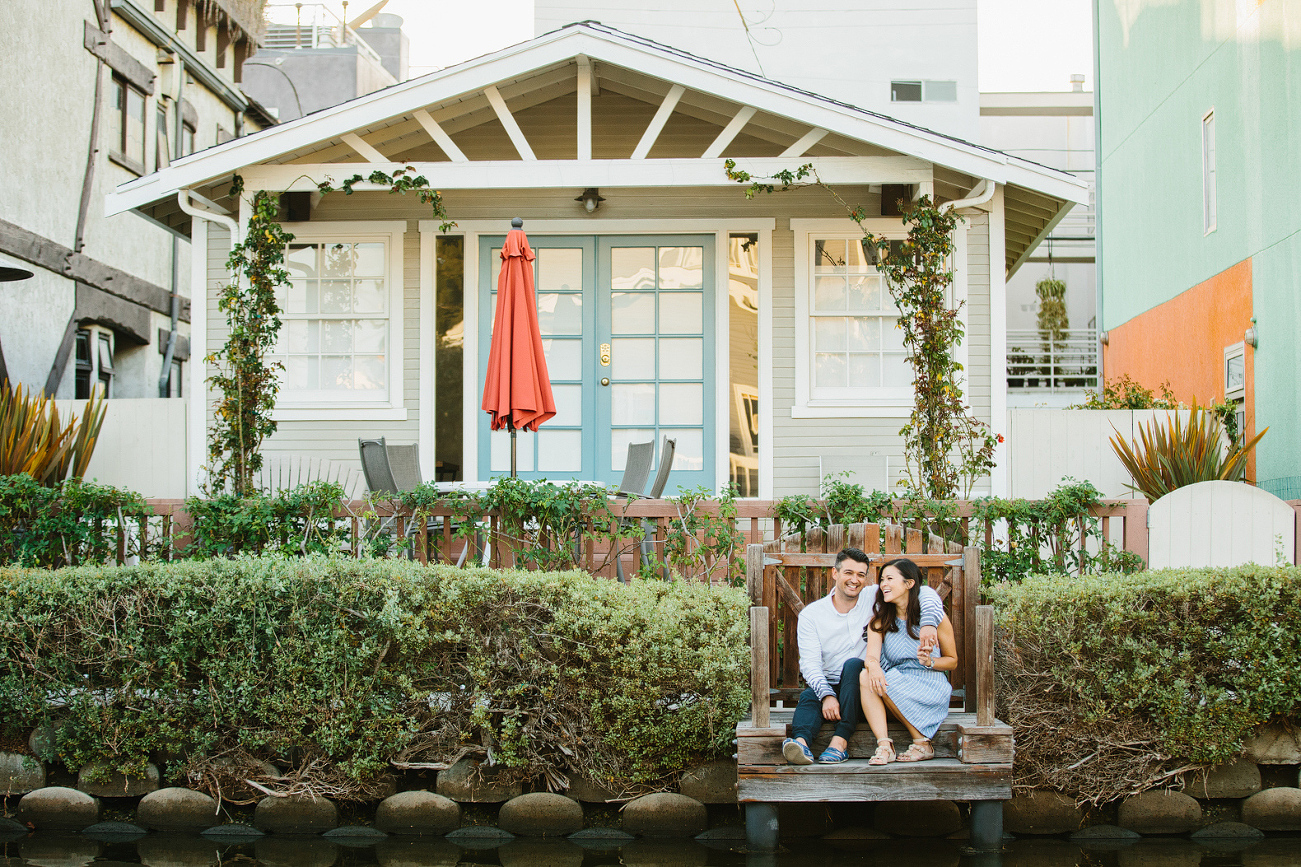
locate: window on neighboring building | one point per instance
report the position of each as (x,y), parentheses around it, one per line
(162,141)
(1208,171)
(340,341)
(126,127)
(94,358)
(923,91)
(1235,372)
(188,134)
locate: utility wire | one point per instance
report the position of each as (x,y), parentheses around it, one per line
(749,37)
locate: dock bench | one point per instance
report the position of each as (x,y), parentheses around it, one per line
(973,749)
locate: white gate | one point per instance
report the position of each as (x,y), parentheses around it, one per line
(1220,524)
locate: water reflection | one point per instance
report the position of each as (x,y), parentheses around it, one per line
(846,848)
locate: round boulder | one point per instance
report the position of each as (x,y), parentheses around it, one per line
(541,814)
(417,812)
(58,808)
(1274,744)
(20,774)
(917,818)
(1273,810)
(298,814)
(468,781)
(177,809)
(1041,812)
(102,781)
(664,815)
(1236,779)
(1163,811)
(714,783)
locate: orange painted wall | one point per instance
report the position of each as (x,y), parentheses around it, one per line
(1182,341)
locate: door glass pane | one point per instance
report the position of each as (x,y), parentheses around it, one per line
(632,403)
(632,358)
(632,267)
(632,313)
(560,451)
(499,451)
(619,441)
(682,403)
(681,312)
(681,267)
(560,314)
(560,270)
(681,358)
(564,358)
(494,257)
(569,405)
(690,453)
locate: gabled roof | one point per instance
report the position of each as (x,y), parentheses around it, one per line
(764,122)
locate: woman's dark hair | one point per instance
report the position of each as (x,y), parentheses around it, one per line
(885,615)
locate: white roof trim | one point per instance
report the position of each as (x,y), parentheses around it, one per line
(601,44)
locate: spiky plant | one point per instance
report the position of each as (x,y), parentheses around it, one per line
(1172,454)
(34,440)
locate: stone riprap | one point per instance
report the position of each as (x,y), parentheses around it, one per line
(1274,744)
(58,808)
(102,781)
(664,815)
(20,774)
(1042,812)
(177,809)
(468,781)
(1161,812)
(297,814)
(714,783)
(1274,810)
(541,814)
(417,812)
(1237,779)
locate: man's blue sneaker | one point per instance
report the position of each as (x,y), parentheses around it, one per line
(832,756)
(796,753)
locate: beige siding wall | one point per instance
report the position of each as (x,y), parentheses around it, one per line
(798,443)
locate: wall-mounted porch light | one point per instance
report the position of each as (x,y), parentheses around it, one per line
(591,199)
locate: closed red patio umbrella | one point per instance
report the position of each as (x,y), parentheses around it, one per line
(517,389)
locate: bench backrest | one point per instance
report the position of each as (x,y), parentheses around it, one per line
(782,582)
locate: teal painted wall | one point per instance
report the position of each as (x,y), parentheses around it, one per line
(1162,65)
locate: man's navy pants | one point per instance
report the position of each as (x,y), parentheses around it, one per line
(808,713)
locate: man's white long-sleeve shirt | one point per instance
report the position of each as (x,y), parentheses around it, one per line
(828,639)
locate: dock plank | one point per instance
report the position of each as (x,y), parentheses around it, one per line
(856,780)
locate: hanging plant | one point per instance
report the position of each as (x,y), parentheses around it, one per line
(402,181)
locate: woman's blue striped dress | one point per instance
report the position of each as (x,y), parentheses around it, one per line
(921,694)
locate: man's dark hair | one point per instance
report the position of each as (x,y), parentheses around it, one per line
(854,554)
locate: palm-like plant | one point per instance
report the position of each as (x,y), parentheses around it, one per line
(1172,454)
(34,440)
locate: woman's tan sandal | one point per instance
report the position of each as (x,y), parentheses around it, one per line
(884,754)
(920,751)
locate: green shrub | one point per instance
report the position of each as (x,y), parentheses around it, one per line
(1114,684)
(70,522)
(334,668)
(291,522)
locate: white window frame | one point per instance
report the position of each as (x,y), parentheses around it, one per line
(392,233)
(1209,186)
(877,402)
(1239,351)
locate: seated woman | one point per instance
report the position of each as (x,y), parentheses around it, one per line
(899,676)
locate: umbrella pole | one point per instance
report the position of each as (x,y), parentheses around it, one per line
(512,451)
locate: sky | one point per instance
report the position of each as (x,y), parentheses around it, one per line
(1024,44)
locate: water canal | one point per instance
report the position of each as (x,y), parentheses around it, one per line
(57,849)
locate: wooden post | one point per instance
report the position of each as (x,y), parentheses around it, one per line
(754,573)
(759,666)
(985,665)
(968,648)
(1136,527)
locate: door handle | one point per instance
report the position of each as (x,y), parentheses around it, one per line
(605,355)
(605,380)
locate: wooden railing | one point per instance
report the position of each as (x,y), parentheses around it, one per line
(447,535)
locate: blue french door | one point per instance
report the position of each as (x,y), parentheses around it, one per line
(628,329)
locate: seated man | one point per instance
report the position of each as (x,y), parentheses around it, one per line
(831,644)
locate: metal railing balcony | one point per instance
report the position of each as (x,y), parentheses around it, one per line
(1069,364)
(310,25)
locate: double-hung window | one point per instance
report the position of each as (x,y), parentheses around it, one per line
(849,352)
(341,321)
(126,127)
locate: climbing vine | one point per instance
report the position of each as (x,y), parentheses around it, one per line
(402,181)
(243,375)
(946,449)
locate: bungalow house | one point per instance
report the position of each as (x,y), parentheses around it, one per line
(751,331)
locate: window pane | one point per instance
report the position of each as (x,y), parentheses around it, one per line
(338,260)
(619,441)
(828,255)
(682,403)
(369,260)
(560,314)
(632,403)
(681,267)
(369,296)
(336,372)
(896,371)
(336,336)
(681,313)
(690,452)
(941,91)
(864,370)
(864,335)
(829,335)
(632,313)
(829,370)
(905,91)
(632,358)
(632,267)
(369,373)
(117,118)
(560,270)
(300,260)
(865,294)
(857,259)
(564,358)
(829,294)
(336,296)
(135,125)
(494,256)
(560,451)
(299,335)
(569,405)
(371,336)
(681,358)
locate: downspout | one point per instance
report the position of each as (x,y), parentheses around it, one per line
(165,375)
(183,199)
(986,192)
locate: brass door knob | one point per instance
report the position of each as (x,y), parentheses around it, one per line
(605,380)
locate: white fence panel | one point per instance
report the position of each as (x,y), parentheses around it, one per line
(1220,524)
(1046,445)
(141,445)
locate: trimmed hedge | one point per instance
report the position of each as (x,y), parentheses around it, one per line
(333,668)
(1117,683)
